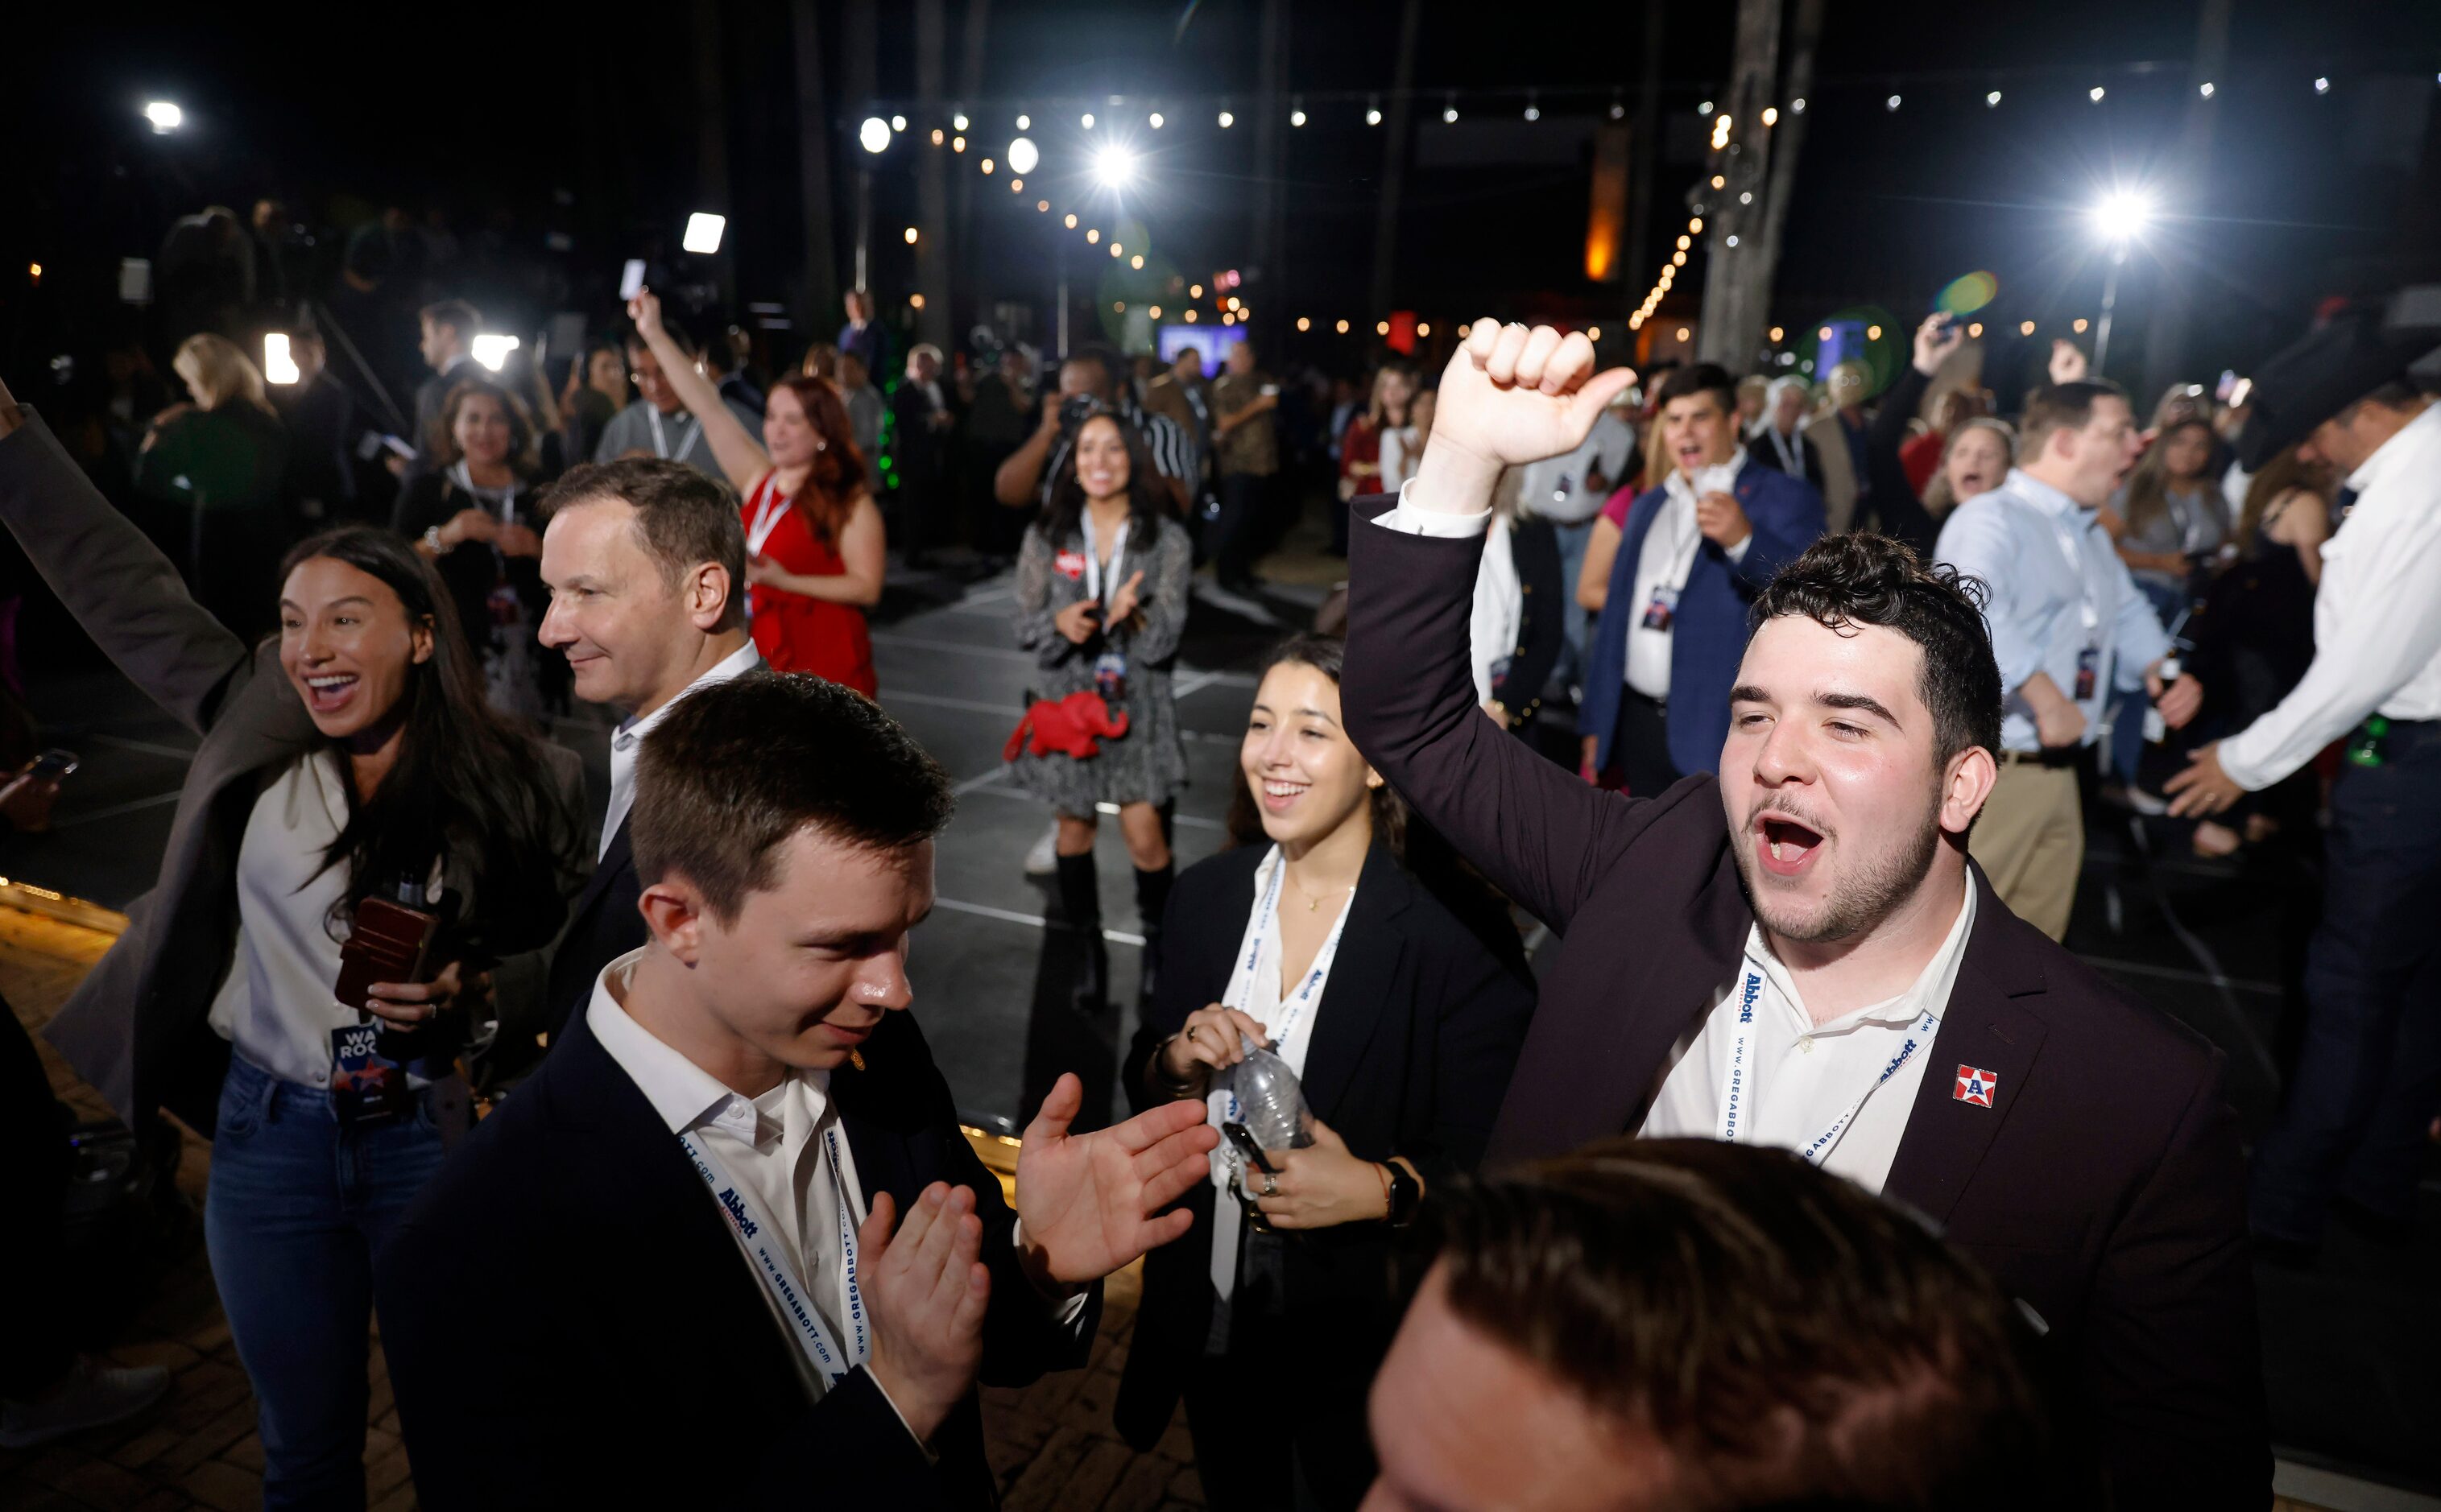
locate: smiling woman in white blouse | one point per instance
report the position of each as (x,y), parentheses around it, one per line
(1399,998)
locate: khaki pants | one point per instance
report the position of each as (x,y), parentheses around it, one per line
(2030,839)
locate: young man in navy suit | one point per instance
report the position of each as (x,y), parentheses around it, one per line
(728,1244)
(1802,953)
(1692,554)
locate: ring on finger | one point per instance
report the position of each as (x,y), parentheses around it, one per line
(1190,1036)
(1270,1184)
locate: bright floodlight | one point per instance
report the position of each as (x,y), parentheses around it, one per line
(1114,165)
(492,351)
(279,363)
(703,232)
(873,135)
(164,115)
(2122,216)
(1023,156)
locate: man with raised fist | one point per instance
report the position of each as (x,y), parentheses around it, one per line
(1800,953)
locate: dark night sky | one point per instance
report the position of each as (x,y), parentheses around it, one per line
(487,110)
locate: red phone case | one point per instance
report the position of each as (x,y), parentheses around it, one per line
(388,943)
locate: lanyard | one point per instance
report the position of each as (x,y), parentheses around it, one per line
(768,507)
(2089,609)
(662,441)
(760,1236)
(1220,1106)
(1791,450)
(461,475)
(1737,1079)
(1094,562)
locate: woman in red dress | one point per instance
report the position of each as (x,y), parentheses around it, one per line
(814,539)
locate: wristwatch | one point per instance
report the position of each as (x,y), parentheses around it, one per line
(1406,1195)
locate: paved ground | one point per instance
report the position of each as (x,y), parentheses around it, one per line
(2348,1344)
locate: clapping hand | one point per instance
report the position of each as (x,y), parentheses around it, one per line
(927,1291)
(1093,1202)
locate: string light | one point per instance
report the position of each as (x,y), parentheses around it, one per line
(1092,234)
(2024,329)
(1086,120)
(910,236)
(1682,333)
(1297,111)
(1116,251)
(1824,332)
(1423,328)
(1190,317)
(1119,307)
(1732,239)
(2205,89)
(1373,110)
(1303,324)
(1136,261)
(1618,110)
(1796,106)
(986,165)
(1227,319)
(1993,100)
(2078,326)
(2095,94)
(1720,132)
(1771,115)
(1154,312)
(1195,291)
(1381,328)
(898,123)
(1891,104)
(1154,121)
(1230,303)
(959,121)
(1872,333)
(1976,330)
(1343,328)
(1704,109)
(2322,86)
(1071,221)
(1016,186)
(1449,110)
(915,301)
(1775,332)
(1227,120)
(1024,122)
(957,144)
(1695,224)
(1593,333)
(939,137)
(1678,260)
(1043,206)
(1534,107)
(1719,182)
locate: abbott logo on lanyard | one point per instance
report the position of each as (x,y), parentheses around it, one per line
(760,1236)
(1736,1078)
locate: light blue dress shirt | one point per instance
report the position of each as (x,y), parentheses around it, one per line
(2055,587)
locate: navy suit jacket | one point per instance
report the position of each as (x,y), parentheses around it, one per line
(569,1321)
(1709,637)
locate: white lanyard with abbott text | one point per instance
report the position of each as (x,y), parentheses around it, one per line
(756,1228)
(1220,1106)
(2089,609)
(1736,1078)
(662,441)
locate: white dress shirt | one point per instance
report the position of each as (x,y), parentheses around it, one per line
(1667,557)
(2376,615)
(633,729)
(1499,607)
(2056,587)
(1804,1075)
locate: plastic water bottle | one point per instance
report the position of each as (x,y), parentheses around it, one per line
(1269,1102)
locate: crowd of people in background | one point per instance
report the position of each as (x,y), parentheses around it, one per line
(1888,634)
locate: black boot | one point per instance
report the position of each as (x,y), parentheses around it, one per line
(1153,901)
(1080,899)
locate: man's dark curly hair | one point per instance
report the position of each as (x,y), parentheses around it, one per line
(1860,577)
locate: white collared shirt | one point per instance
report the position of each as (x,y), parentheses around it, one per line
(1804,1075)
(1663,563)
(2376,615)
(633,729)
(767,1143)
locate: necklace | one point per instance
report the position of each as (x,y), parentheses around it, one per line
(1313,904)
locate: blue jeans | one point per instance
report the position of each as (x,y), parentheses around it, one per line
(1574,622)
(294,1212)
(2368,1077)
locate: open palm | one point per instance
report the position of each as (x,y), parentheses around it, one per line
(1089,1200)
(1511,396)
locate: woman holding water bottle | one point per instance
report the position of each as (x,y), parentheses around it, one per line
(1316,965)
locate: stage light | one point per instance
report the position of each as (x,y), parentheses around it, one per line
(1086,120)
(490,349)
(2122,216)
(873,135)
(703,230)
(165,116)
(1153,120)
(278,365)
(1022,154)
(1114,165)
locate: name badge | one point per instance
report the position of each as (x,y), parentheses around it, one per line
(2089,667)
(365,1085)
(1662,610)
(1111,676)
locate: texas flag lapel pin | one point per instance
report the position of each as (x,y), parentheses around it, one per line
(1976,1086)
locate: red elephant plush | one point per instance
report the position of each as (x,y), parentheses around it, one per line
(1067,728)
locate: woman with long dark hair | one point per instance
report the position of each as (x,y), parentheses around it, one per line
(1101,602)
(474,518)
(352,794)
(815,545)
(2170,516)
(1342,936)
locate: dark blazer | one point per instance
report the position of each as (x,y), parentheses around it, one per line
(135,1027)
(1809,455)
(1542,627)
(602,926)
(1412,1044)
(2103,1185)
(569,1321)
(1709,636)
(472,567)
(1897,510)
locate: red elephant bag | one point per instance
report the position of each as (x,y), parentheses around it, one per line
(1074,725)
